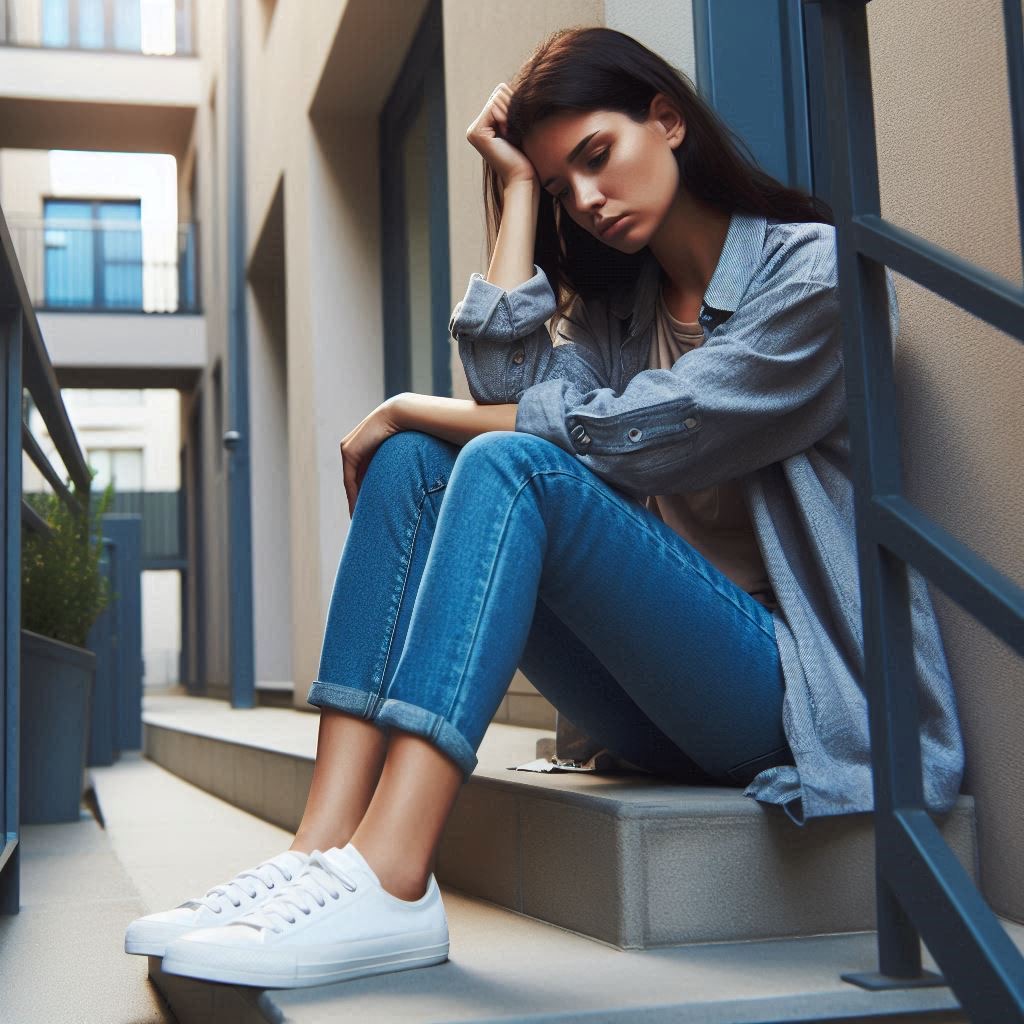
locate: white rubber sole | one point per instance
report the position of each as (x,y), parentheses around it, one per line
(153,945)
(305,975)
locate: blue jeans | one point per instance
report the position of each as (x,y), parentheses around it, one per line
(462,563)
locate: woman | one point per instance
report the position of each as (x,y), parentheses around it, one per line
(652,517)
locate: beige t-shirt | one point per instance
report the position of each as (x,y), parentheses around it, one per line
(714,520)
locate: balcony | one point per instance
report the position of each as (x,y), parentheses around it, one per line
(160,28)
(116,75)
(110,264)
(118,298)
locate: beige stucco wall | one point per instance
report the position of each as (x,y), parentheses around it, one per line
(946,172)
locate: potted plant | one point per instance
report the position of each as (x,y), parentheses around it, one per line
(62,592)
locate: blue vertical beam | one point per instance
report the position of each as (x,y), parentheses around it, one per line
(125,533)
(1013,27)
(10,553)
(237,439)
(104,692)
(751,69)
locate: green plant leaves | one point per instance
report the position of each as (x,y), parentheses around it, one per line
(63,589)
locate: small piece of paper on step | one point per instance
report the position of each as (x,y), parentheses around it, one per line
(543,764)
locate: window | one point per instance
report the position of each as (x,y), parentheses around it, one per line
(93,254)
(120,466)
(93,24)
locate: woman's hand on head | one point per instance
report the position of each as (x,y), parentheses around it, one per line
(486,135)
(359,445)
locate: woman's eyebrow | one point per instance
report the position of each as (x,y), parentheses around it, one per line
(572,156)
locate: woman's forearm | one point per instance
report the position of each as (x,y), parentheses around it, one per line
(512,259)
(453,419)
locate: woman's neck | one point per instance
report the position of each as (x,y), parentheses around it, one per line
(688,245)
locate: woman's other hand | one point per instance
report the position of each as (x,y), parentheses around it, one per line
(359,445)
(486,133)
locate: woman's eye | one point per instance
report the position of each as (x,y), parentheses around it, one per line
(593,163)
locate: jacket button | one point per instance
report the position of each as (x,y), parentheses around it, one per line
(579,434)
(689,422)
(518,357)
(635,435)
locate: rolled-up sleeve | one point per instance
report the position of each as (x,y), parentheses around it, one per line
(505,344)
(764,385)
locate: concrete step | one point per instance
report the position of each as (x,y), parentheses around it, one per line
(624,858)
(174,840)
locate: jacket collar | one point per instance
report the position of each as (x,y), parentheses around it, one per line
(740,257)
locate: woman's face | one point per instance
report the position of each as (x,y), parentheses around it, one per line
(602,166)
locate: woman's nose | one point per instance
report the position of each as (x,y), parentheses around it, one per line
(590,199)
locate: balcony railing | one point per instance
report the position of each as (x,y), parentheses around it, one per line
(152,27)
(108,266)
(24,365)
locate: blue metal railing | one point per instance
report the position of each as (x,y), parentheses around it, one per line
(157,27)
(105,266)
(922,889)
(24,364)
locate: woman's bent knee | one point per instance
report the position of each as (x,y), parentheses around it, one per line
(426,457)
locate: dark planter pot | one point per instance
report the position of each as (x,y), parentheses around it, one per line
(57,682)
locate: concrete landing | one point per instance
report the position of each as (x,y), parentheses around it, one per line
(62,957)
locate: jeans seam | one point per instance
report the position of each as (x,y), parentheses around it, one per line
(398,604)
(462,673)
(675,555)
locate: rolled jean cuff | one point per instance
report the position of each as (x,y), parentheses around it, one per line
(400,714)
(342,698)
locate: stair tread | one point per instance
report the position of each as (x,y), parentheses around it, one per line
(294,732)
(502,965)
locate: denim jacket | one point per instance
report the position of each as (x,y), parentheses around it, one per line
(762,400)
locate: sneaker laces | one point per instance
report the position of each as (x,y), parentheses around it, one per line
(316,883)
(213,898)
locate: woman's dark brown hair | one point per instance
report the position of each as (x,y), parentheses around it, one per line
(585,69)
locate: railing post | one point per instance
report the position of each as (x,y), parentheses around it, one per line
(10,554)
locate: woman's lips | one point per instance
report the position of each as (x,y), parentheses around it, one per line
(615,226)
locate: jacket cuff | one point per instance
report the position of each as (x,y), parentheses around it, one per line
(491,313)
(541,411)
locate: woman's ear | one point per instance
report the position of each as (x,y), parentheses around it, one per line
(664,113)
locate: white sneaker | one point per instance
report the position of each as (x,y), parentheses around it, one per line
(247,891)
(333,923)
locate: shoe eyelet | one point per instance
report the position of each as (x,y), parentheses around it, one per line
(270,885)
(219,910)
(289,877)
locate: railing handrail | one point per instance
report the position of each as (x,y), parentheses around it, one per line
(67,223)
(37,371)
